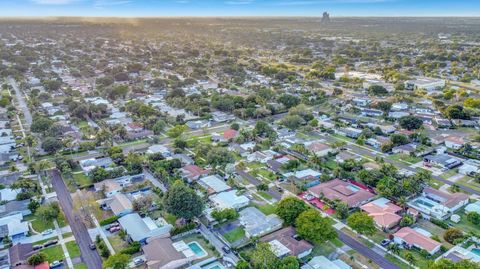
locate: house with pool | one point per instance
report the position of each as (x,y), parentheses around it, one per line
(437,204)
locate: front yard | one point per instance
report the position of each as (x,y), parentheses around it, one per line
(235,235)
(54,253)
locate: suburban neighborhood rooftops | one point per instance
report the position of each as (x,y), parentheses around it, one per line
(346,192)
(214,183)
(412,237)
(284,239)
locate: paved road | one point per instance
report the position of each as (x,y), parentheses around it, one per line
(366,251)
(149,176)
(80,232)
(21,101)
(218,244)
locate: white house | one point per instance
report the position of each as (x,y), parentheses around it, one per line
(229,199)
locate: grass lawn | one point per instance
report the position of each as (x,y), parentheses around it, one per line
(435,184)
(398,262)
(255,165)
(266,209)
(405,158)
(39,225)
(449,173)
(81,179)
(263,173)
(265,195)
(234,235)
(420,261)
(73,249)
(468,182)
(80,266)
(324,249)
(54,253)
(464,224)
(134,142)
(331,164)
(117,243)
(170,218)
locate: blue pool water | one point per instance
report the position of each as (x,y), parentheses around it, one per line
(476,251)
(197,249)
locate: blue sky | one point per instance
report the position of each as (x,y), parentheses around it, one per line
(140,8)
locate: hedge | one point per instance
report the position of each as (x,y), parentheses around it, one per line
(109,220)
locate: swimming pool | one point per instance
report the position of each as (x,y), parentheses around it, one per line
(197,249)
(475,251)
(424,203)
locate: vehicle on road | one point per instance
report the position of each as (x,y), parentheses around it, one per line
(226,249)
(385,242)
(50,243)
(37,247)
(92,246)
(56,264)
(138,261)
(47,232)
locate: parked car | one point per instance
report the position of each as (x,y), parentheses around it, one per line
(138,261)
(37,247)
(114,229)
(56,264)
(226,249)
(92,246)
(47,232)
(50,243)
(385,242)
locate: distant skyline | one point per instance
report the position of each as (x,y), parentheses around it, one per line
(154,8)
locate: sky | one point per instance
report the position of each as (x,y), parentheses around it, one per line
(154,8)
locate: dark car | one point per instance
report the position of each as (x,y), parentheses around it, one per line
(37,247)
(92,246)
(226,249)
(385,242)
(50,243)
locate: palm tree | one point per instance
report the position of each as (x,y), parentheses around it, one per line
(402,201)
(393,248)
(410,259)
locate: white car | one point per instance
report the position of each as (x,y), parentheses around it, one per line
(138,261)
(47,232)
(56,264)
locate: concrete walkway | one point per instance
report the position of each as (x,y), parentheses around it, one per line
(64,247)
(103,235)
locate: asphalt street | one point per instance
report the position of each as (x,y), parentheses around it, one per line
(80,232)
(366,251)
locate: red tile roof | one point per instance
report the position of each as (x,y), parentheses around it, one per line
(230,134)
(346,192)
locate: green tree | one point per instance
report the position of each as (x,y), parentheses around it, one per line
(40,124)
(158,127)
(182,201)
(225,214)
(410,122)
(289,262)
(263,257)
(377,90)
(48,212)
(33,206)
(37,258)
(452,234)
(242,265)
(117,261)
(51,144)
(290,208)
(177,131)
(342,209)
(315,228)
(410,258)
(219,157)
(362,223)
(473,217)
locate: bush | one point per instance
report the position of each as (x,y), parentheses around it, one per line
(473,217)
(108,220)
(185,228)
(452,235)
(132,249)
(440,223)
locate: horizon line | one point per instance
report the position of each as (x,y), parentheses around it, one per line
(239,16)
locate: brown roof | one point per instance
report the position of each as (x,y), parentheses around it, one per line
(317,146)
(19,253)
(412,237)
(160,253)
(119,203)
(286,237)
(192,171)
(449,199)
(384,214)
(335,189)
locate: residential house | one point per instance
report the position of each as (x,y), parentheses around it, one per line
(257,224)
(304,174)
(13,226)
(285,242)
(192,172)
(371,112)
(383,212)
(120,205)
(219,116)
(284,133)
(346,192)
(319,149)
(438,204)
(228,135)
(378,141)
(343,156)
(229,199)
(276,164)
(409,237)
(408,149)
(140,229)
(213,184)
(161,253)
(163,150)
(19,254)
(349,132)
(89,164)
(184,158)
(14,207)
(429,84)
(454,142)
(198,124)
(469,168)
(444,161)
(321,262)
(262,156)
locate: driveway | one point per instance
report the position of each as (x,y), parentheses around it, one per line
(80,232)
